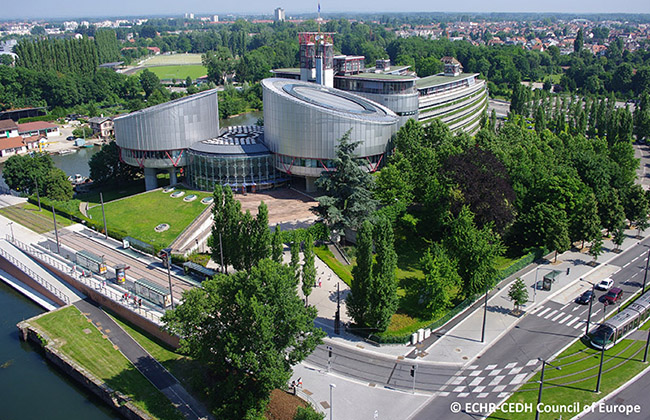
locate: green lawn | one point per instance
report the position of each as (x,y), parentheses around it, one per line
(75,336)
(174,59)
(178,72)
(29,216)
(140,214)
(576,381)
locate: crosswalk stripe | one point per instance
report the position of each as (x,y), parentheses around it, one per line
(535,309)
(555,318)
(550,314)
(572,321)
(543,312)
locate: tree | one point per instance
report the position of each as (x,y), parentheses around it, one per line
(83,132)
(188,81)
(308,413)
(149,82)
(261,235)
(22,172)
(245,364)
(358,302)
(518,293)
(295,261)
(618,236)
(6,59)
(383,293)
(308,267)
(476,251)
(57,186)
(277,247)
(348,200)
(596,248)
(481,182)
(106,166)
(579,41)
(440,279)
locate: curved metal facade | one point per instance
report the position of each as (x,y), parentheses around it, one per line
(156,137)
(304,121)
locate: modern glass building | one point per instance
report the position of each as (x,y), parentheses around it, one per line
(238,158)
(303,123)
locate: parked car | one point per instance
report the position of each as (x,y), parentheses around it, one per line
(613,295)
(586,297)
(70,138)
(605,284)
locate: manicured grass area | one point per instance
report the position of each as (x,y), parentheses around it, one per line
(81,341)
(576,381)
(173,59)
(140,214)
(178,72)
(341,270)
(29,216)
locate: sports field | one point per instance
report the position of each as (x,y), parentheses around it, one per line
(178,72)
(173,59)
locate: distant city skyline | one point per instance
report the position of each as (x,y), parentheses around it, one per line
(45,9)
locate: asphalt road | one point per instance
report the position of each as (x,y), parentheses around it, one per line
(541,334)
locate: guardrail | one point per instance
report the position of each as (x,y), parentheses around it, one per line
(96,284)
(40,280)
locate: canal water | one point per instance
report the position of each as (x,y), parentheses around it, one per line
(31,388)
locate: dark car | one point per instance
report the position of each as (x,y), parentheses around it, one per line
(585,298)
(70,138)
(613,295)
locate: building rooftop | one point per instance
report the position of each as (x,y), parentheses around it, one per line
(234,141)
(381,76)
(441,79)
(36,125)
(295,70)
(98,120)
(8,125)
(330,99)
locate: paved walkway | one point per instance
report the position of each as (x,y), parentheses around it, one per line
(143,361)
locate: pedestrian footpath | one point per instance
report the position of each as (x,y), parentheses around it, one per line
(144,362)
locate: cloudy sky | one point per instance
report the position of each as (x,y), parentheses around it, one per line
(85,8)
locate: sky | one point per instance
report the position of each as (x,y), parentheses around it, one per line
(84,8)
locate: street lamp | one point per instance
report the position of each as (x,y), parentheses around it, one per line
(484,313)
(541,385)
(645,275)
(11,226)
(591,302)
(602,351)
(332,386)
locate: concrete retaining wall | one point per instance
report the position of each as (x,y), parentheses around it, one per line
(14,271)
(124,313)
(114,399)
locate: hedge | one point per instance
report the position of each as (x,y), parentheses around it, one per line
(319,231)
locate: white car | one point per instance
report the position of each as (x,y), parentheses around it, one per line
(605,284)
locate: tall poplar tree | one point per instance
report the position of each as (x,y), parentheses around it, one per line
(383,293)
(358,301)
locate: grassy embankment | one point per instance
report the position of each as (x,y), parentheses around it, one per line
(78,338)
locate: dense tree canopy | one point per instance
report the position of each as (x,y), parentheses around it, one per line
(248,329)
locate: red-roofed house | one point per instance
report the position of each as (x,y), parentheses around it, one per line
(38,128)
(8,128)
(17,145)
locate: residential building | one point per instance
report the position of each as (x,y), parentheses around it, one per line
(102,126)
